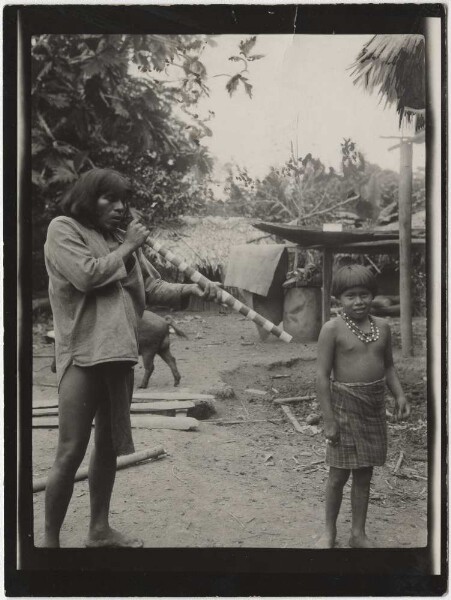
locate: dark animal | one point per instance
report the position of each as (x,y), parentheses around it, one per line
(153,339)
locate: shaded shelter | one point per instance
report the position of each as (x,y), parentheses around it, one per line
(204,243)
(334,242)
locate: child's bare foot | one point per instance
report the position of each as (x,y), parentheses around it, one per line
(326,540)
(361,541)
(112,539)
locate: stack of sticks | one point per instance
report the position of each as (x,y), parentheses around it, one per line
(149,410)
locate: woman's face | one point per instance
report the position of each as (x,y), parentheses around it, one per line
(109,213)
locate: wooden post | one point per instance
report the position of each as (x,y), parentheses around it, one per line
(327,283)
(405,243)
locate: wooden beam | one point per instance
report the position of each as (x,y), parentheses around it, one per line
(141,395)
(327,283)
(418,138)
(136,408)
(138,422)
(382,247)
(405,247)
(122,463)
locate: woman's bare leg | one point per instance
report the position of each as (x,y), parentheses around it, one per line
(76,410)
(102,473)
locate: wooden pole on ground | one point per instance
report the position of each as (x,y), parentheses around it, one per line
(405,244)
(122,463)
(287,410)
(327,283)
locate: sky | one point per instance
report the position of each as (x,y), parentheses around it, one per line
(302,93)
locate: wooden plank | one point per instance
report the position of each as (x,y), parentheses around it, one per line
(151,422)
(45,422)
(122,463)
(146,396)
(52,403)
(144,407)
(405,247)
(138,422)
(45,412)
(245,422)
(156,406)
(327,283)
(43,384)
(142,396)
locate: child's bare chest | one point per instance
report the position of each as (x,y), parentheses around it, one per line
(349,345)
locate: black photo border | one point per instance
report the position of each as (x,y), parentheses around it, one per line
(175,571)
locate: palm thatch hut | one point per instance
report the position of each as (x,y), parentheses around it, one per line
(205,244)
(395,65)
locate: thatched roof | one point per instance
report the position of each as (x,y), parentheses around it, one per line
(205,242)
(395,64)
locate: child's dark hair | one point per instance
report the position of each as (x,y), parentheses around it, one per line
(353,276)
(80,202)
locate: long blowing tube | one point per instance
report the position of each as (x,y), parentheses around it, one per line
(226,298)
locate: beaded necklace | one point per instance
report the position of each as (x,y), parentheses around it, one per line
(372,336)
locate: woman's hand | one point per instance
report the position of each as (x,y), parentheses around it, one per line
(212,292)
(136,235)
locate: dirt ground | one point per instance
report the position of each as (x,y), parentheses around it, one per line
(255,482)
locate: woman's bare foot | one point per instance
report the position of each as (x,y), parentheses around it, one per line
(360,541)
(51,542)
(326,540)
(112,539)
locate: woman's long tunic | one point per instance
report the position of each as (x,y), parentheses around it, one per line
(96,303)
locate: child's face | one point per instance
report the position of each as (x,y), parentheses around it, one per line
(356,302)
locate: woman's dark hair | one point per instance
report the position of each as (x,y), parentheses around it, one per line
(80,202)
(353,276)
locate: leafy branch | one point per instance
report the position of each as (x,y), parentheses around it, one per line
(330,208)
(244,56)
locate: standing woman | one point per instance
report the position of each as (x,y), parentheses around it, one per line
(99,285)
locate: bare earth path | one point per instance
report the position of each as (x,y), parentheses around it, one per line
(251,484)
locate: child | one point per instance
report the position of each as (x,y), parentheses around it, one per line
(357,348)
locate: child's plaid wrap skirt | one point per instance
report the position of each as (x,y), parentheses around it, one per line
(359,409)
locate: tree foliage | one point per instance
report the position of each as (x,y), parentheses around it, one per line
(84,98)
(90,109)
(304,192)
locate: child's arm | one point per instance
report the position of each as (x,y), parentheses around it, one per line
(326,348)
(402,407)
